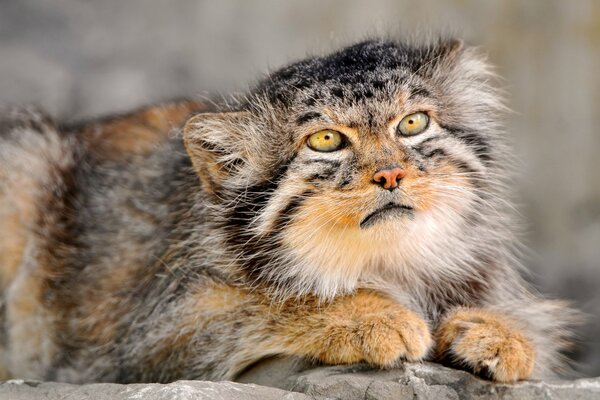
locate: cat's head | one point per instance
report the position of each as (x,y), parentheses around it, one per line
(383,157)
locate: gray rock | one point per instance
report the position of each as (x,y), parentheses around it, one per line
(293,379)
(409,381)
(181,390)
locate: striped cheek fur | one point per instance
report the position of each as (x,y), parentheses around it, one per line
(389,201)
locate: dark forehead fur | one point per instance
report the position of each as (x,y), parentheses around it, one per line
(354,73)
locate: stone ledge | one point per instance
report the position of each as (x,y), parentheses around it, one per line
(180,390)
(292,379)
(410,381)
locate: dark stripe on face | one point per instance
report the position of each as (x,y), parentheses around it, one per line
(253,199)
(307,117)
(419,92)
(252,202)
(254,253)
(435,153)
(348,171)
(463,166)
(427,152)
(371,121)
(346,181)
(477,142)
(322,175)
(291,209)
(420,148)
(473,175)
(440,153)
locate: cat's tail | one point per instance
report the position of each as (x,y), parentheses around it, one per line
(552,327)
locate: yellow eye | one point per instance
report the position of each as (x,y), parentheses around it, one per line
(326,140)
(413,124)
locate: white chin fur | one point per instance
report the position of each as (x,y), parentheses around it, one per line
(332,259)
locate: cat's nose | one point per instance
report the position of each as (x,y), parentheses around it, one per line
(389,178)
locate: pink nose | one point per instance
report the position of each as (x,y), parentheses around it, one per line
(389,178)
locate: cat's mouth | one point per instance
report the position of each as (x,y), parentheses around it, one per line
(390,210)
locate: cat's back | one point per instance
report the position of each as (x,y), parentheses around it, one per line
(84,210)
(65,180)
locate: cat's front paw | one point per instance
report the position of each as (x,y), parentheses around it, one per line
(380,338)
(398,335)
(486,343)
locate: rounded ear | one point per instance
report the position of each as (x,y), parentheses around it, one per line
(452,48)
(445,53)
(215,143)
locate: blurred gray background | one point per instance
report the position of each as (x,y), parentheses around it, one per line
(78,59)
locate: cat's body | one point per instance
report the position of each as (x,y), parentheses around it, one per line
(130,252)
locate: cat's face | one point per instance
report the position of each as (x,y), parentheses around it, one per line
(374,158)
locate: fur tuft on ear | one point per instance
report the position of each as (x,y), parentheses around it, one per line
(215,143)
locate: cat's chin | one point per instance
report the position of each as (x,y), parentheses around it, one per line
(388,212)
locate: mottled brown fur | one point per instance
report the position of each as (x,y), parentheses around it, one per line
(187,241)
(139,132)
(486,342)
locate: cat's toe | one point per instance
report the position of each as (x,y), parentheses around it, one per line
(399,335)
(486,343)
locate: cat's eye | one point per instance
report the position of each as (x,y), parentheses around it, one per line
(413,124)
(326,140)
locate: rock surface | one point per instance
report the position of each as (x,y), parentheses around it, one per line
(180,390)
(291,379)
(409,381)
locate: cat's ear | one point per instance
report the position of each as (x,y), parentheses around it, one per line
(215,143)
(445,54)
(451,49)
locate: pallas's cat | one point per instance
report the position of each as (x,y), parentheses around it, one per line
(349,208)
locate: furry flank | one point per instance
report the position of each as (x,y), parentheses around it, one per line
(190,240)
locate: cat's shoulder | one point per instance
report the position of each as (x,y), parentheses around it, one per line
(137,132)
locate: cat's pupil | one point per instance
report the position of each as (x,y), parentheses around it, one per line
(410,121)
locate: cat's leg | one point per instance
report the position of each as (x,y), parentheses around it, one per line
(362,327)
(219,330)
(486,342)
(246,327)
